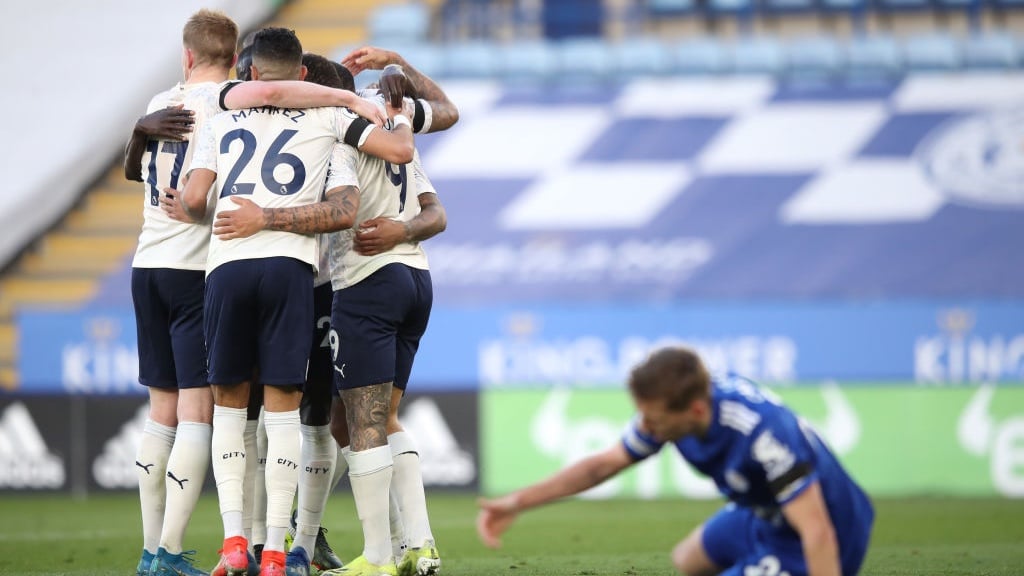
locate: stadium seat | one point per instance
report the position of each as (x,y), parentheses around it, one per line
(932,52)
(527,60)
(873,57)
(788,6)
(640,57)
(399,23)
(991,51)
(588,58)
(470,59)
(658,8)
(815,56)
(758,56)
(700,56)
(742,11)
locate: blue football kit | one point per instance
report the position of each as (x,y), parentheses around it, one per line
(761,456)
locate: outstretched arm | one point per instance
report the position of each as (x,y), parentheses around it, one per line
(378,235)
(297,94)
(444,112)
(173,123)
(808,515)
(336,212)
(496,515)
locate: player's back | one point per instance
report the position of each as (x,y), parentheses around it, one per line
(164,242)
(277,158)
(386,191)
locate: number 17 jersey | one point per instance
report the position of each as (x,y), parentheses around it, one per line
(277,158)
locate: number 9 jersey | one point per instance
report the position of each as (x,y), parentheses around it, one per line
(277,158)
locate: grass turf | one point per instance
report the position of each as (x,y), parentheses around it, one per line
(47,534)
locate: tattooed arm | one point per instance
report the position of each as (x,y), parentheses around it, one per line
(336,212)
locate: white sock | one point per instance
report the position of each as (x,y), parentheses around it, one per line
(186,472)
(340,465)
(369,471)
(283,457)
(249,482)
(407,484)
(397,527)
(259,496)
(319,454)
(229,465)
(151,468)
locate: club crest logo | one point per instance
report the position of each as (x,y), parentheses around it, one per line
(978,159)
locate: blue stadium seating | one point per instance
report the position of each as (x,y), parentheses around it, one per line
(988,51)
(399,23)
(701,56)
(754,55)
(640,57)
(816,56)
(932,52)
(583,58)
(476,58)
(873,57)
(527,60)
(658,8)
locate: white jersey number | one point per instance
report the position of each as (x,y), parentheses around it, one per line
(271,160)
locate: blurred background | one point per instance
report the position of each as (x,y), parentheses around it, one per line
(823,195)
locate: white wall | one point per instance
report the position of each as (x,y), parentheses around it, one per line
(76,75)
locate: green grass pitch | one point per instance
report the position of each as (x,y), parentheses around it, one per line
(100,535)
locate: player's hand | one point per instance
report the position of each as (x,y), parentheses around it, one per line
(379,235)
(241,223)
(369,58)
(395,85)
(170,202)
(173,123)
(370,111)
(494,519)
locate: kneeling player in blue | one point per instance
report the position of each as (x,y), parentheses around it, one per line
(792,510)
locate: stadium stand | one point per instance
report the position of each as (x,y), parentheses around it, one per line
(533,41)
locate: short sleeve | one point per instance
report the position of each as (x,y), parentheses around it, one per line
(205,150)
(350,128)
(781,450)
(343,168)
(639,444)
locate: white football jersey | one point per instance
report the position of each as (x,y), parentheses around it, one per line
(385,191)
(163,242)
(277,158)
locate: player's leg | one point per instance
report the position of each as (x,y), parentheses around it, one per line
(156,372)
(721,543)
(231,341)
(319,451)
(364,318)
(285,309)
(421,557)
(190,456)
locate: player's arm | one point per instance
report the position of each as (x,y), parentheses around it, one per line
(443,111)
(378,235)
(173,123)
(296,94)
(496,515)
(336,212)
(395,146)
(808,515)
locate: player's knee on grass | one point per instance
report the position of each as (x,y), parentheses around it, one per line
(690,559)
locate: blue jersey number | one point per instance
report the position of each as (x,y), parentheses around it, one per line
(271,160)
(154,147)
(397,176)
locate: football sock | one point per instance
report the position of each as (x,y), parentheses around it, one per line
(282,473)
(186,472)
(369,471)
(151,467)
(249,482)
(259,497)
(319,451)
(229,465)
(407,484)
